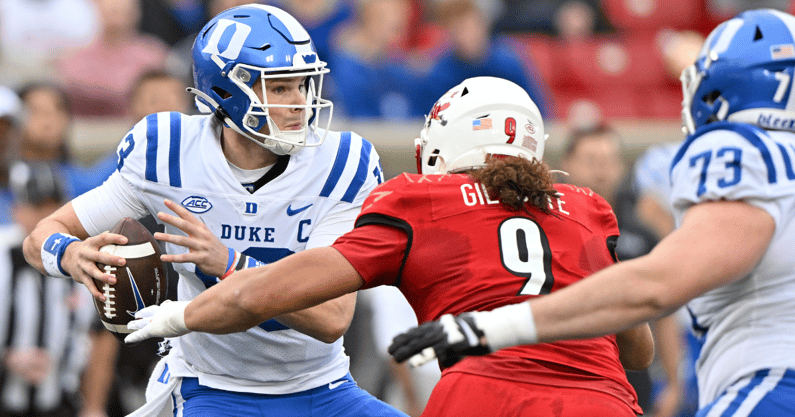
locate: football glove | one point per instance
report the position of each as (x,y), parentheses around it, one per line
(449,339)
(164,320)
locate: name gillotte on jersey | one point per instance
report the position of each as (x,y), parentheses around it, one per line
(475,194)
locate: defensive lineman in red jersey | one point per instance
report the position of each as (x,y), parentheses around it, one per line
(471,254)
(489,231)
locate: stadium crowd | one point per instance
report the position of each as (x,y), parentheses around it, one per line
(67,65)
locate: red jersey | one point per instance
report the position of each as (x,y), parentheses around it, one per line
(450,249)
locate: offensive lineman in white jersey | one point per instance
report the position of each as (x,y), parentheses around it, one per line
(731,257)
(266,182)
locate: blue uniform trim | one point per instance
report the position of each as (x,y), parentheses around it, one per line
(174,175)
(361,173)
(272,326)
(777,391)
(339,164)
(341,398)
(750,132)
(151,148)
(698,329)
(743,393)
(787,162)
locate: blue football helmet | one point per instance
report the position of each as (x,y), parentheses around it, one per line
(743,73)
(255,42)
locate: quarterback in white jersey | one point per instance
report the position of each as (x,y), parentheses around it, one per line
(262,181)
(308,203)
(730,258)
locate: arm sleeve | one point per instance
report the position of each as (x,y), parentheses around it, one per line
(99,209)
(376,252)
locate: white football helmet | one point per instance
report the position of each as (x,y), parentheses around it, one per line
(480,117)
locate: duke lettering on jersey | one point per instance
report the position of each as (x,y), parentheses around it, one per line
(262,234)
(250,233)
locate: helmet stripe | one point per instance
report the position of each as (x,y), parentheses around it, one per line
(295,31)
(726,36)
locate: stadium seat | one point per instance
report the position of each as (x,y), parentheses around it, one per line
(649,16)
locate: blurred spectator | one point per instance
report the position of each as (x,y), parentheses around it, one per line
(173,20)
(577,19)
(678,50)
(474,52)
(158,91)
(10,108)
(369,71)
(99,77)
(45,321)
(45,136)
(321,18)
(543,16)
(33,33)
(594,158)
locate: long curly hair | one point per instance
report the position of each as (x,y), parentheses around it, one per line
(518,183)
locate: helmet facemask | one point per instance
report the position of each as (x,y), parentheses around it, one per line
(691,80)
(258,113)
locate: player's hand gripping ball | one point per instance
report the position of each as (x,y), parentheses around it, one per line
(141,282)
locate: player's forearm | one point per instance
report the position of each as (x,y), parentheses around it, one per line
(58,222)
(718,243)
(251,296)
(326,322)
(600,304)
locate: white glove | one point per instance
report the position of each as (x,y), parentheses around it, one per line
(165,320)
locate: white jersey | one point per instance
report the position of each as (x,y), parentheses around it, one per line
(311,203)
(749,324)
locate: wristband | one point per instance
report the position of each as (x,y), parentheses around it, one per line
(236,262)
(507,326)
(243,262)
(52,252)
(234,258)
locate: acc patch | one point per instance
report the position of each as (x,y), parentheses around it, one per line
(197,204)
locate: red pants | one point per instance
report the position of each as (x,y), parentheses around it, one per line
(463,395)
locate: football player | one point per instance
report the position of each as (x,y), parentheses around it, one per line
(730,259)
(481,227)
(265,180)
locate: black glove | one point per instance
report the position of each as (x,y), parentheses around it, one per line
(450,339)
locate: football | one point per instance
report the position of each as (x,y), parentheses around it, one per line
(141,282)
